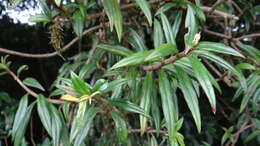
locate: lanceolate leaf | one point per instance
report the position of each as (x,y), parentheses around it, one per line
(189,95)
(78,21)
(167,103)
(201,74)
(145,6)
(167,30)
(121,129)
(127,105)
(219,48)
(39,18)
(145,102)
(161,51)
(33,83)
(176,24)
(190,24)
(79,85)
(158,36)
(112,9)
(133,59)
(136,41)
(118,50)
(164,8)
(56,125)
(44,113)
(222,63)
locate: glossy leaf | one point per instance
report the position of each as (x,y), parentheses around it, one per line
(218,48)
(158,36)
(128,106)
(176,24)
(79,85)
(145,6)
(56,125)
(33,83)
(145,102)
(134,59)
(121,129)
(167,103)
(161,51)
(189,95)
(164,8)
(136,41)
(44,113)
(190,24)
(167,30)
(201,74)
(39,18)
(118,50)
(112,9)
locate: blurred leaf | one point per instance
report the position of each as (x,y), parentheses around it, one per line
(112,9)
(44,114)
(189,95)
(167,30)
(250,50)
(56,125)
(190,23)
(58,2)
(176,24)
(201,74)
(164,8)
(245,66)
(145,102)
(128,106)
(252,135)
(118,50)
(22,68)
(79,85)
(227,135)
(198,12)
(145,6)
(218,48)
(33,83)
(39,18)
(158,36)
(169,111)
(161,51)
(121,129)
(78,21)
(114,84)
(136,41)
(45,8)
(100,85)
(134,59)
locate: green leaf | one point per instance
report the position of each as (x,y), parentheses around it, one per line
(121,129)
(78,21)
(79,85)
(88,117)
(56,125)
(136,41)
(170,112)
(250,50)
(218,48)
(252,135)
(201,74)
(164,8)
(167,30)
(112,9)
(176,24)
(227,135)
(21,69)
(158,36)
(189,95)
(190,23)
(45,7)
(198,12)
(33,83)
(114,84)
(19,135)
(224,64)
(39,18)
(114,49)
(128,106)
(145,102)
(44,113)
(245,66)
(134,59)
(155,110)
(20,114)
(100,85)
(161,51)
(145,6)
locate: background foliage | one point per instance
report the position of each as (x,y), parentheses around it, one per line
(134,72)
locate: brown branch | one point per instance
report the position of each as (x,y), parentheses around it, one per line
(47,55)
(248,36)
(169,60)
(216,34)
(146,131)
(29,91)
(220,13)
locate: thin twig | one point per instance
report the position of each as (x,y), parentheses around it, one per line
(248,36)
(149,131)
(220,13)
(216,34)
(47,55)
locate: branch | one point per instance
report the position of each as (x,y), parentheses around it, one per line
(220,13)
(47,55)
(29,91)
(216,34)
(248,36)
(169,60)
